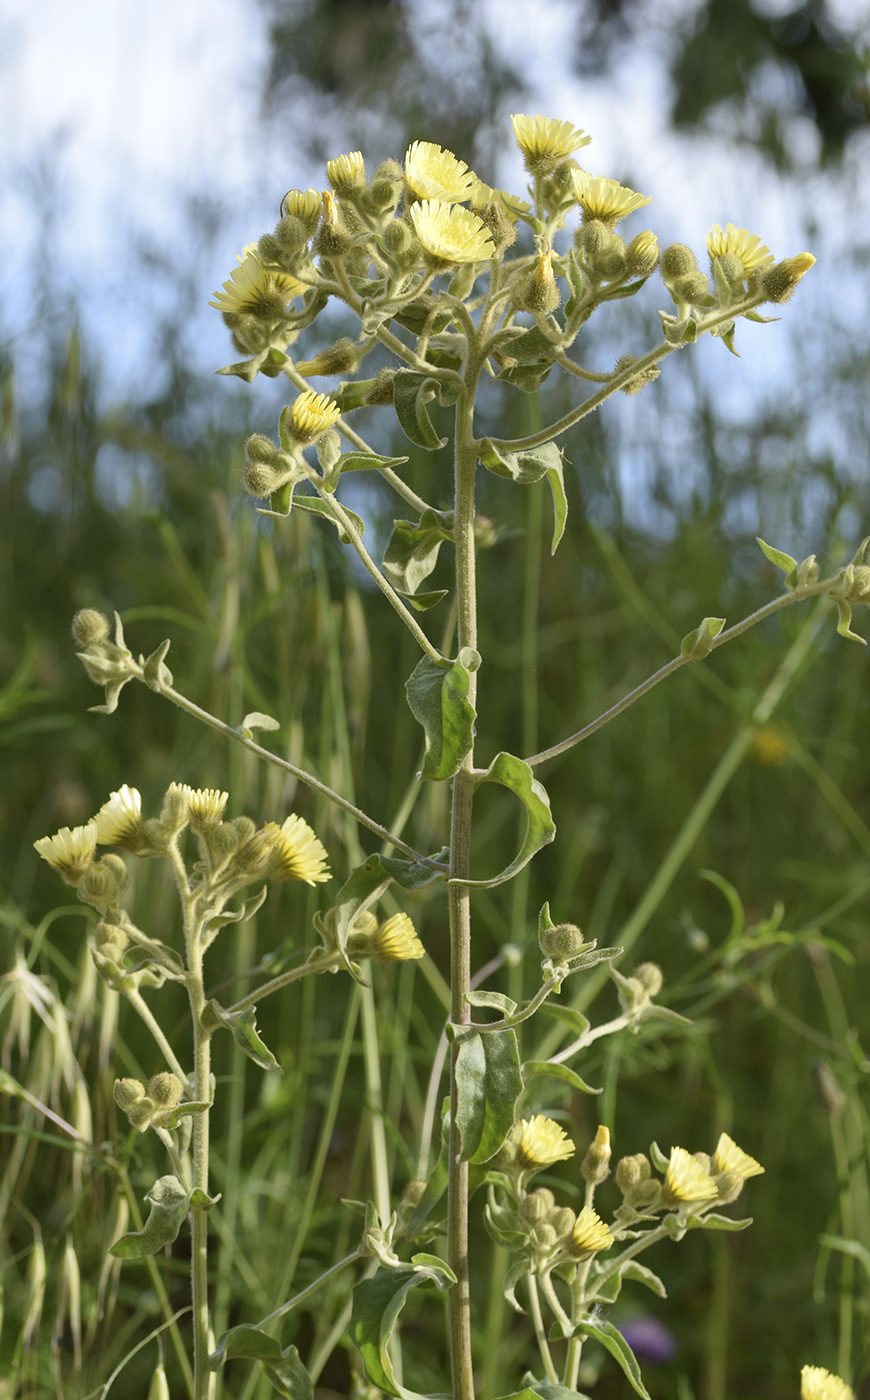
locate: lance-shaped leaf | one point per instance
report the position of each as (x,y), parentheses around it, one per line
(488,1084)
(168,1201)
(511,772)
(718,1222)
(572,1018)
(432,1194)
(528,467)
(284,1368)
(412,391)
(410,874)
(544,1391)
(529,378)
(557,1071)
(412,550)
(358,462)
(613,1341)
(269,362)
(526,345)
(699,642)
(315,506)
(377,1303)
(242,1025)
(438,700)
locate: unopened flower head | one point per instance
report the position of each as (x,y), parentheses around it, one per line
(302,204)
(819,1384)
(311,415)
(747,246)
(347,173)
(71,851)
(604,199)
(686,1179)
(396,941)
(779,281)
(539,1143)
(120,818)
(589,1235)
(254,288)
(433,173)
(546,141)
(595,1166)
(728,1157)
(297,854)
(451,234)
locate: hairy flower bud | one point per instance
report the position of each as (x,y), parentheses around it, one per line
(642,255)
(90,627)
(563,1221)
(677,261)
(595,1166)
(649,974)
(130,1096)
(341,358)
(166,1089)
(562,942)
(778,282)
(536,1207)
(631,1172)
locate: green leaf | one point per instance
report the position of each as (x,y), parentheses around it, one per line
(497,1000)
(699,643)
(488,1082)
(717,1222)
(410,874)
(526,468)
(421,602)
(855,1248)
(411,392)
(776,556)
(613,1341)
(358,462)
(242,1026)
(283,1368)
(528,344)
(528,378)
(544,1391)
(511,772)
(364,886)
(412,550)
(432,1194)
(289,1376)
(377,1303)
(639,1273)
(628,291)
(256,720)
(438,700)
(568,1076)
(168,1200)
(315,506)
(577,1022)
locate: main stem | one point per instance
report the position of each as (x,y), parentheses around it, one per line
(198,1211)
(459,896)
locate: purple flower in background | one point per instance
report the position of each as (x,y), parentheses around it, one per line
(649,1338)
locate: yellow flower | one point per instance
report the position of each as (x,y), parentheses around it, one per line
(253,287)
(590,1233)
(799,265)
(451,234)
(686,1179)
(545,141)
(539,1142)
(433,173)
(71,851)
(604,199)
(206,804)
(297,854)
(347,173)
(311,415)
(728,1157)
(396,941)
(747,246)
(302,204)
(482,194)
(119,818)
(819,1384)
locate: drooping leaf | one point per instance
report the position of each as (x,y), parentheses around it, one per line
(528,378)
(613,1341)
(718,1222)
(357,462)
(511,772)
(410,874)
(572,1018)
(315,506)
(283,1368)
(488,1082)
(412,390)
(289,1377)
(257,720)
(432,1194)
(544,1391)
(169,1201)
(529,466)
(527,345)
(438,700)
(641,1274)
(242,1026)
(412,550)
(567,1076)
(377,1303)
(496,1000)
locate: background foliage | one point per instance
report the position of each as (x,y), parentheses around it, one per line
(137,506)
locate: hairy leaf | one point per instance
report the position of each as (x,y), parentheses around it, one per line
(488,1082)
(242,1026)
(438,700)
(511,772)
(168,1200)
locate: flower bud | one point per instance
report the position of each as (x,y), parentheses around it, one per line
(261,449)
(103,884)
(642,255)
(261,480)
(341,358)
(175,811)
(166,1089)
(631,1172)
(502,229)
(347,174)
(332,239)
(536,1207)
(595,1166)
(729,1186)
(562,942)
(563,1221)
(545,1238)
(649,974)
(130,1096)
(304,205)
(778,282)
(692,288)
(411,1198)
(90,628)
(677,261)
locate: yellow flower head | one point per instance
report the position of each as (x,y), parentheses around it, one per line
(686,1179)
(119,818)
(347,174)
(207,805)
(604,199)
(311,415)
(482,194)
(819,1384)
(590,1233)
(71,851)
(545,141)
(253,287)
(433,173)
(799,265)
(747,246)
(396,941)
(451,234)
(297,854)
(728,1157)
(539,1142)
(302,204)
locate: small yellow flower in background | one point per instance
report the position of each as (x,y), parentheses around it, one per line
(450,233)
(747,246)
(396,941)
(590,1233)
(253,287)
(686,1179)
(433,173)
(71,851)
(608,200)
(311,415)
(347,173)
(728,1157)
(545,141)
(302,204)
(768,748)
(819,1384)
(207,805)
(119,818)
(539,1142)
(513,206)
(297,854)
